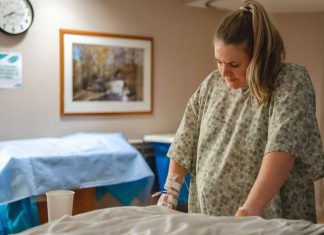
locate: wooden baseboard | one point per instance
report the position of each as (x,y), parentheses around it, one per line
(320,220)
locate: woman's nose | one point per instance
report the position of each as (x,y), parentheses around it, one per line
(226,70)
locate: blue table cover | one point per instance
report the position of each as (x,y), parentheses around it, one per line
(104,160)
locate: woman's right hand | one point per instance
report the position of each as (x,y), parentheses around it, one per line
(170,193)
(168,200)
(173,183)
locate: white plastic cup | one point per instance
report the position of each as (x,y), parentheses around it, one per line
(59,203)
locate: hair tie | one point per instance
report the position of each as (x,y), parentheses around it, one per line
(246,9)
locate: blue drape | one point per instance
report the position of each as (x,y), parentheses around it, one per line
(18,216)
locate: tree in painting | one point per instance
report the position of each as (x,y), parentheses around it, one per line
(107,73)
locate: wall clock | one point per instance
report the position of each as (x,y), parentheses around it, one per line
(16,16)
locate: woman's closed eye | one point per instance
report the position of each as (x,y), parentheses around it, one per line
(233,65)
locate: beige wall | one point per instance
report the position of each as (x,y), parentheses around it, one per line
(183,56)
(303,35)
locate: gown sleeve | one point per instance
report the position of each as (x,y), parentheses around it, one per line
(293,125)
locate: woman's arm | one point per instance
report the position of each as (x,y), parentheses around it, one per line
(172,186)
(176,168)
(275,169)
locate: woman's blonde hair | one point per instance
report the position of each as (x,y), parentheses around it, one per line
(251,24)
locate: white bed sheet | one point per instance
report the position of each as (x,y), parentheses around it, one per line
(159,220)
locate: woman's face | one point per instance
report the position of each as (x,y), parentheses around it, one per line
(232,62)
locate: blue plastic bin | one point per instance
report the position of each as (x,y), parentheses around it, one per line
(162,166)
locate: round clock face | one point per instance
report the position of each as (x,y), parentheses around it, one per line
(16,16)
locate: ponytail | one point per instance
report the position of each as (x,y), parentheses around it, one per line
(265,47)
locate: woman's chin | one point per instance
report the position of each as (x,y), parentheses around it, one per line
(233,85)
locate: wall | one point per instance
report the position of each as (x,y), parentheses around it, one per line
(183,56)
(304,41)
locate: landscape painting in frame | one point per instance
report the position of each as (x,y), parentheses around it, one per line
(105,73)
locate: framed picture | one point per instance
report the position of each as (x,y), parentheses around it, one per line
(105,73)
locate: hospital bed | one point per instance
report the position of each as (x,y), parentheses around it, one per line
(160,221)
(103,162)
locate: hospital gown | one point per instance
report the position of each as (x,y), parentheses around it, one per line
(224,135)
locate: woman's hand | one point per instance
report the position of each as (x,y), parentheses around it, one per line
(168,200)
(241,212)
(174,181)
(170,193)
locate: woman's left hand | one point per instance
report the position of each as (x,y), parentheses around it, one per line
(241,212)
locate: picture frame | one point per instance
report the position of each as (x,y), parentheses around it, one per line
(103,73)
